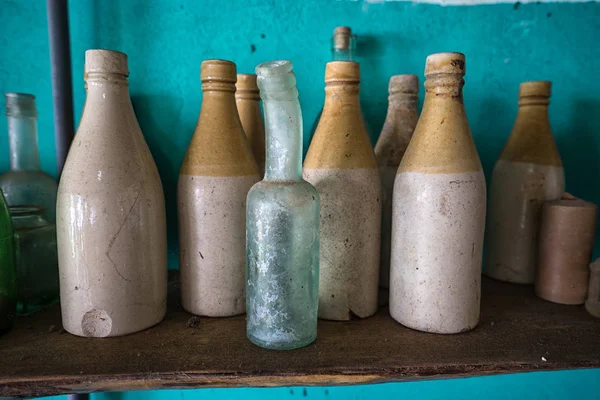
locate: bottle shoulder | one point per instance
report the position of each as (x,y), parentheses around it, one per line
(287,194)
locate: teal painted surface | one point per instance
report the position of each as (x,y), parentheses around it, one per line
(166,40)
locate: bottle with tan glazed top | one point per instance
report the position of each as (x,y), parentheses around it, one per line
(439,211)
(217,172)
(400,122)
(341,164)
(248,104)
(110,214)
(528,172)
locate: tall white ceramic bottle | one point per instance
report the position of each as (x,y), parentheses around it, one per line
(110,215)
(528,173)
(439,211)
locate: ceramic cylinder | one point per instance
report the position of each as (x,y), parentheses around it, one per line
(566,240)
(247,99)
(439,211)
(217,172)
(400,122)
(110,214)
(341,165)
(528,173)
(592,304)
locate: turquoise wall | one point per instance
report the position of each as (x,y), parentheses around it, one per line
(166,40)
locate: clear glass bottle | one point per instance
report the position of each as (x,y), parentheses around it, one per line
(25,183)
(282,225)
(8,276)
(35,258)
(343,44)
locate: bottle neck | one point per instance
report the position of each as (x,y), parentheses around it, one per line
(23,143)
(107,88)
(402,101)
(341,94)
(445,86)
(283,136)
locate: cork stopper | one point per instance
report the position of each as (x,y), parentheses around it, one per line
(106,62)
(342,36)
(445,63)
(535,89)
(342,71)
(404,84)
(20,105)
(246,82)
(218,70)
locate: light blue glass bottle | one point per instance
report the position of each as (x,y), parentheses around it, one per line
(282,225)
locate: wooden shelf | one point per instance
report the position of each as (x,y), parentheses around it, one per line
(517,332)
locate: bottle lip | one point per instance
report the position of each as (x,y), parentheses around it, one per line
(106,61)
(445,63)
(404,83)
(25,210)
(246,82)
(273,68)
(535,89)
(218,70)
(342,71)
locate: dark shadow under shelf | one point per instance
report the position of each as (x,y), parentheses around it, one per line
(517,331)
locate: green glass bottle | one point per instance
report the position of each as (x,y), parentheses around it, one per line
(8,276)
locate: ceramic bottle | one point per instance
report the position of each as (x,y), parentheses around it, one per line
(341,165)
(439,211)
(25,183)
(528,172)
(399,125)
(282,233)
(247,99)
(111,223)
(216,174)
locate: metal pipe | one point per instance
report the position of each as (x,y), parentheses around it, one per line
(62,87)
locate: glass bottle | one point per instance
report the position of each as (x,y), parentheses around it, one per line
(247,99)
(439,211)
(36,259)
(341,165)
(282,225)
(343,44)
(8,276)
(400,122)
(217,172)
(528,172)
(111,222)
(25,183)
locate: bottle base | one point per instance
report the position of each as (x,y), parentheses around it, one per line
(433,329)
(281,345)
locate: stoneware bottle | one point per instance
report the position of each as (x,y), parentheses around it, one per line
(528,172)
(439,211)
(592,304)
(110,214)
(247,99)
(400,122)
(341,164)
(217,172)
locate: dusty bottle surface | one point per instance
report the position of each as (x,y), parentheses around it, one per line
(217,172)
(247,99)
(400,122)
(111,223)
(341,165)
(25,183)
(439,211)
(282,231)
(528,172)
(36,259)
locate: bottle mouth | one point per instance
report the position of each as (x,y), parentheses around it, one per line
(274,68)
(275,79)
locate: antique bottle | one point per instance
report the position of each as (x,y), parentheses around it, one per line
(528,172)
(400,122)
(565,244)
(592,304)
(341,165)
(111,223)
(282,232)
(439,211)
(35,258)
(25,183)
(247,99)
(8,276)
(216,174)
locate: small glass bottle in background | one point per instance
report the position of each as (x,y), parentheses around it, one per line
(35,258)
(282,225)
(25,183)
(8,276)
(343,44)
